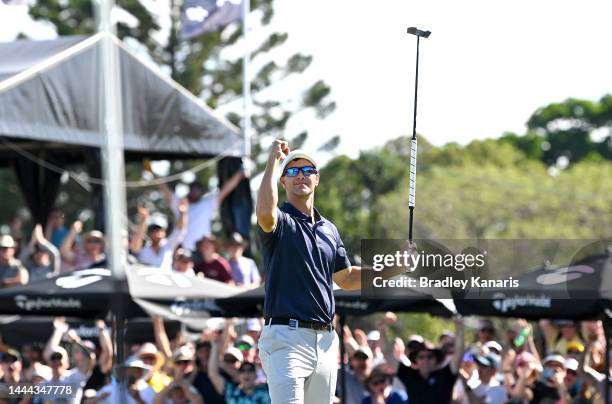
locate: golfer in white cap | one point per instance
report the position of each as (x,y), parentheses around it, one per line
(303,255)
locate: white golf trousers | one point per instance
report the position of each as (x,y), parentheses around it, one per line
(301,364)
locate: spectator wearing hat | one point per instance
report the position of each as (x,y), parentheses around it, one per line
(87,253)
(160,249)
(11,365)
(58,360)
(253,328)
(373,338)
(550,385)
(154,359)
(488,388)
(213,265)
(179,392)
(127,386)
(244,270)
(246,344)
(183,262)
(425,382)
(359,369)
(201,207)
(40,257)
(12,272)
(379,385)
(560,334)
(246,390)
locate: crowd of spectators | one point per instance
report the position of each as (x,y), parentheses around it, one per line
(221,365)
(190,247)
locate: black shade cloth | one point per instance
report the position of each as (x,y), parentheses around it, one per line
(40,187)
(582,290)
(250,304)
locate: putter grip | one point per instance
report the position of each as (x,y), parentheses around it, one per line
(413,168)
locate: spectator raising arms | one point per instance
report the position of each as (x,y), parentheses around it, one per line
(201,207)
(246,391)
(57,357)
(88,253)
(159,252)
(40,257)
(12,271)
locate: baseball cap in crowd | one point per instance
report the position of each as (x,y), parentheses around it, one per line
(184,255)
(42,372)
(489,360)
(572,365)
(294,155)
(184,353)
(253,324)
(235,353)
(156,224)
(373,335)
(486,326)
(245,342)
(494,346)
(132,362)
(363,352)
(10,355)
(7,241)
(575,346)
(235,239)
(554,358)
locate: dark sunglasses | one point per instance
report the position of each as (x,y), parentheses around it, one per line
(55,357)
(247,370)
(183,363)
(429,356)
(307,171)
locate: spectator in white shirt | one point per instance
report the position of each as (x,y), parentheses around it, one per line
(183,262)
(159,252)
(244,270)
(201,207)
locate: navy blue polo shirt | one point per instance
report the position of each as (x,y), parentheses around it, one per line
(299,260)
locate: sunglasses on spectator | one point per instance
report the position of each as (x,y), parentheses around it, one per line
(230,359)
(488,330)
(55,357)
(244,346)
(427,356)
(183,363)
(247,370)
(93,241)
(148,358)
(8,359)
(307,171)
(573,351)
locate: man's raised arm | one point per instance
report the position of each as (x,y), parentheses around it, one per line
(267,198)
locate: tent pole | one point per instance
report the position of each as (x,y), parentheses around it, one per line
(246,82)
(342,365)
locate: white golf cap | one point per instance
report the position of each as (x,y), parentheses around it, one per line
(493,345)
(253,324)
(294,155)
(373,335)
(571,364)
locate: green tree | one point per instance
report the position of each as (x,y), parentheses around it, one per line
(567,128)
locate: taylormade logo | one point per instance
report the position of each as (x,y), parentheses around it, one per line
(185,307)
(24,303)
(503,304)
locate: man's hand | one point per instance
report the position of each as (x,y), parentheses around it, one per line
(37,234)
(279,150)
(77,227)
(143,213)
(59,323)
(183,205)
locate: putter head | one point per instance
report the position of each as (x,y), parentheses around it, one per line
(418,32)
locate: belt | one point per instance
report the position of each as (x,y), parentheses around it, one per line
(295,323)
